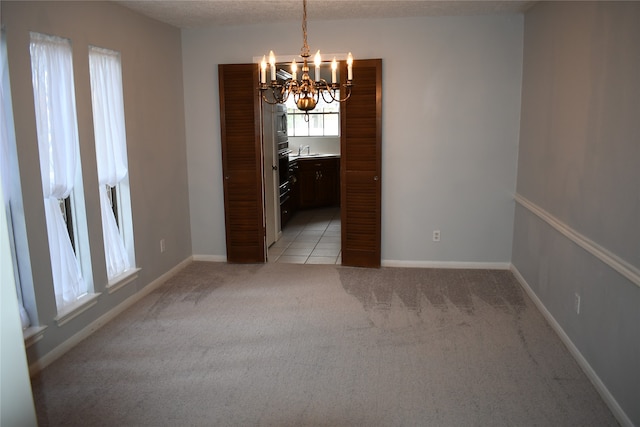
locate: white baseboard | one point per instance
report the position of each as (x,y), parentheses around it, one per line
(210,258)
(447,264)
(606,395)
(75,339)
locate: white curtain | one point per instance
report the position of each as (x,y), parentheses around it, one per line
(111,147)
(54,97)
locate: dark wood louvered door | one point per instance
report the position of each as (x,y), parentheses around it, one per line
(240,125)
(361,135)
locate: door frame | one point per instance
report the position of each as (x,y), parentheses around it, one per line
(259,253)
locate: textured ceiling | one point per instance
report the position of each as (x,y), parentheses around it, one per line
(204,13)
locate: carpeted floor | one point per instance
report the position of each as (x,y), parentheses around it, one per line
(320,345)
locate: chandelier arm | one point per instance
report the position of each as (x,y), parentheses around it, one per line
(345,98)
(279,92)
(332,98)
(265,99)
(322,87)
(348,90)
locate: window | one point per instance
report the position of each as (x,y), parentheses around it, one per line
(324,120)
(111,155)
(57,131)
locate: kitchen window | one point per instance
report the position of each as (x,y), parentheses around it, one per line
(324,120)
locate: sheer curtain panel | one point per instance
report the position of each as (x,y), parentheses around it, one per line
(111,147)
(57,130)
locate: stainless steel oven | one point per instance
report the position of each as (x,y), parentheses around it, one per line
(282,141)
(285,192)
(283,166)
(280,126)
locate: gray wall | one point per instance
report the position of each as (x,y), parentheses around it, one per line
(154,114)
(450,120)
(579,168)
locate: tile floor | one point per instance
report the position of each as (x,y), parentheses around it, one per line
(310,237)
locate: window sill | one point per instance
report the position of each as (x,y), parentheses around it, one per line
(122,280)
(32,335)
(76,308)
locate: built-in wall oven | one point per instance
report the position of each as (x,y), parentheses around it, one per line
(282,141)
(283,173)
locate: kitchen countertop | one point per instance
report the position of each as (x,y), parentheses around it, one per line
(313,156)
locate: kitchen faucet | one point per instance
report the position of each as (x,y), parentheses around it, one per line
(304,147)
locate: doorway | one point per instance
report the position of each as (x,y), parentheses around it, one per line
(310,229)
(359,170)
(312,236)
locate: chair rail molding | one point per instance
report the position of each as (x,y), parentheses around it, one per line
(603,254)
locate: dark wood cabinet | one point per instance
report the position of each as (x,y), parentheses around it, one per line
(318,182)
(294,182)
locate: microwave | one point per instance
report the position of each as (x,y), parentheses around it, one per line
(280,126)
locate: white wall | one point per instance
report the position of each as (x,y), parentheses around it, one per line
(153,96)
(317,144)
(451,104)
(577,226)
(16,401)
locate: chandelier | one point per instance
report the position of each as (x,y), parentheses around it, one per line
(305,92)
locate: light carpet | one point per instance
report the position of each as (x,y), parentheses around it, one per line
(316,345)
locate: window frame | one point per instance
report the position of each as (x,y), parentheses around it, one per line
(119,195)
(320,113)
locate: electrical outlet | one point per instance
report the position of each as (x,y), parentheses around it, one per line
(576,303)
(162,246)
(436,235)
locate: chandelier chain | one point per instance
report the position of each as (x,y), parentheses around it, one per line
(305,46)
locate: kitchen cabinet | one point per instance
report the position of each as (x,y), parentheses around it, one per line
(318,182)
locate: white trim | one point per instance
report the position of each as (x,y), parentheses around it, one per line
(122,279)
(32,335)
(210,258)
(447,264)
(606,395)
(76,308)
(612,260)
(72,341)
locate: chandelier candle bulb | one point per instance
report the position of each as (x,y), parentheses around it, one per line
(349,67)
(263,70)
(317,60)
(294,69)
(334,67)
(272,62)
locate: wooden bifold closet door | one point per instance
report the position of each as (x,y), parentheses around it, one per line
(361,134)
(360,163)
(240,125)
